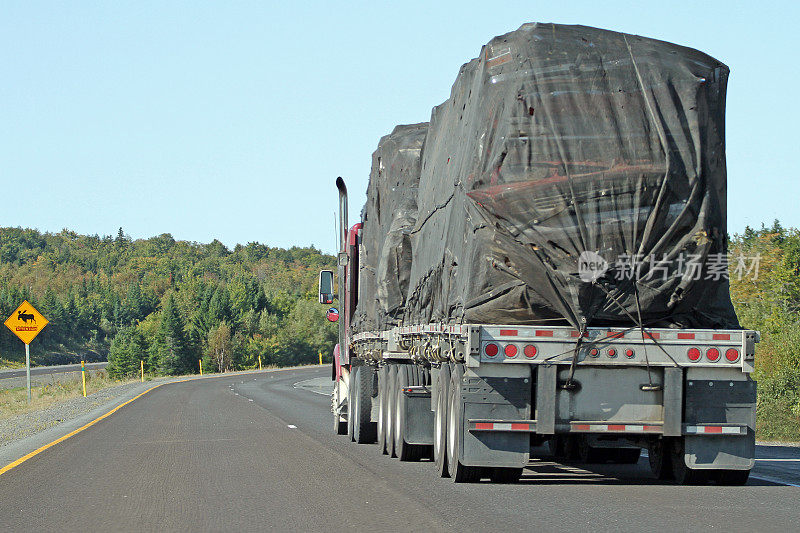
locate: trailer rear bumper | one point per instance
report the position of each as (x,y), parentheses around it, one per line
(529,426)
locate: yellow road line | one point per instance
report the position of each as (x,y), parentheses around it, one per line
(114,410)
(71,433)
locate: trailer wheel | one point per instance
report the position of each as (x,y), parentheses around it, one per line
(364,431)
(383,377)
(681,473)
(590,454)
(563,447)
(440,421)
(659,458)
(626,456)
(505,475)
(455,427)
(351,393)
(731,477)
(403,450)
(391,377)
(339,425)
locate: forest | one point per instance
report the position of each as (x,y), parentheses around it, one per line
(766,295)
(172,303)
(167,302)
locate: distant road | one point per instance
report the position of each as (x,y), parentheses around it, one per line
(46,370)
(257,452)
(41,375)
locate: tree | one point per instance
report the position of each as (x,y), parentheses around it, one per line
(127,349)
(172,350)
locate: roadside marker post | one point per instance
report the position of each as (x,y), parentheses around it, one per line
(259,362)
(320,357)
(201,366)
(83,377)
(26,322)
(141,363)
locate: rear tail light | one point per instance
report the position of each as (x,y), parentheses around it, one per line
(712,354)
(593,352)
(510,350)
(491,349)
(612,352)
(530,351)
(693,354)
(629,353)
(732,355)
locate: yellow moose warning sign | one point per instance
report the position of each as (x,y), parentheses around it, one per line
(26,322)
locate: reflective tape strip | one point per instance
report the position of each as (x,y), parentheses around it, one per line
(503,426)
(716,430)
(616,428)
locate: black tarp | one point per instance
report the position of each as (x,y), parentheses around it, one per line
(555,142)
(388,216)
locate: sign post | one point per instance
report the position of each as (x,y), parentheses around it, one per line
(83,377)
(28,369)
(26,322)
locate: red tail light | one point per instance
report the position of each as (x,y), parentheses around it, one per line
(593,352)
(530,351)
(511,350)
(712,354)
(629,353)
(612,352)
(693,354)
(732,355)
(491,349)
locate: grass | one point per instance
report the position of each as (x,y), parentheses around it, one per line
(777,420)
(9,364)
(15,401)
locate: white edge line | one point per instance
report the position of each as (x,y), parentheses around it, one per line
(774,480)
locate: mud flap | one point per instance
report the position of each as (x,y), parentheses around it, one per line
(495,398)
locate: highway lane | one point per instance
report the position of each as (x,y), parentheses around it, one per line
(254,452)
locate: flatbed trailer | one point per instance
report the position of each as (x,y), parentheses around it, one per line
(477,397)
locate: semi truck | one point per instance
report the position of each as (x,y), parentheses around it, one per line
(544,262)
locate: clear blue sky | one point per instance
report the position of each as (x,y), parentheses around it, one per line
(231,120)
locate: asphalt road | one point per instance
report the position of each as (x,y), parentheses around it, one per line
(254,452)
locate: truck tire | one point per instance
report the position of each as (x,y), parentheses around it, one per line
(383,377)
(505,475)
(440,421)
(455,426)
(730,477)
(421,376)
(403,450)
(364,430)
(350,401)
(626,456)
(563,447)
(659,458)
(681,473)
(339,425)
(391,373)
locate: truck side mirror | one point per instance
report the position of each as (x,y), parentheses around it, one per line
(332,315)
(326,286)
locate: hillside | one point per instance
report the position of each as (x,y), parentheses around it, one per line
(166,301)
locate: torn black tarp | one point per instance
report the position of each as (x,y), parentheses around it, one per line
(572,171)
(388,216)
